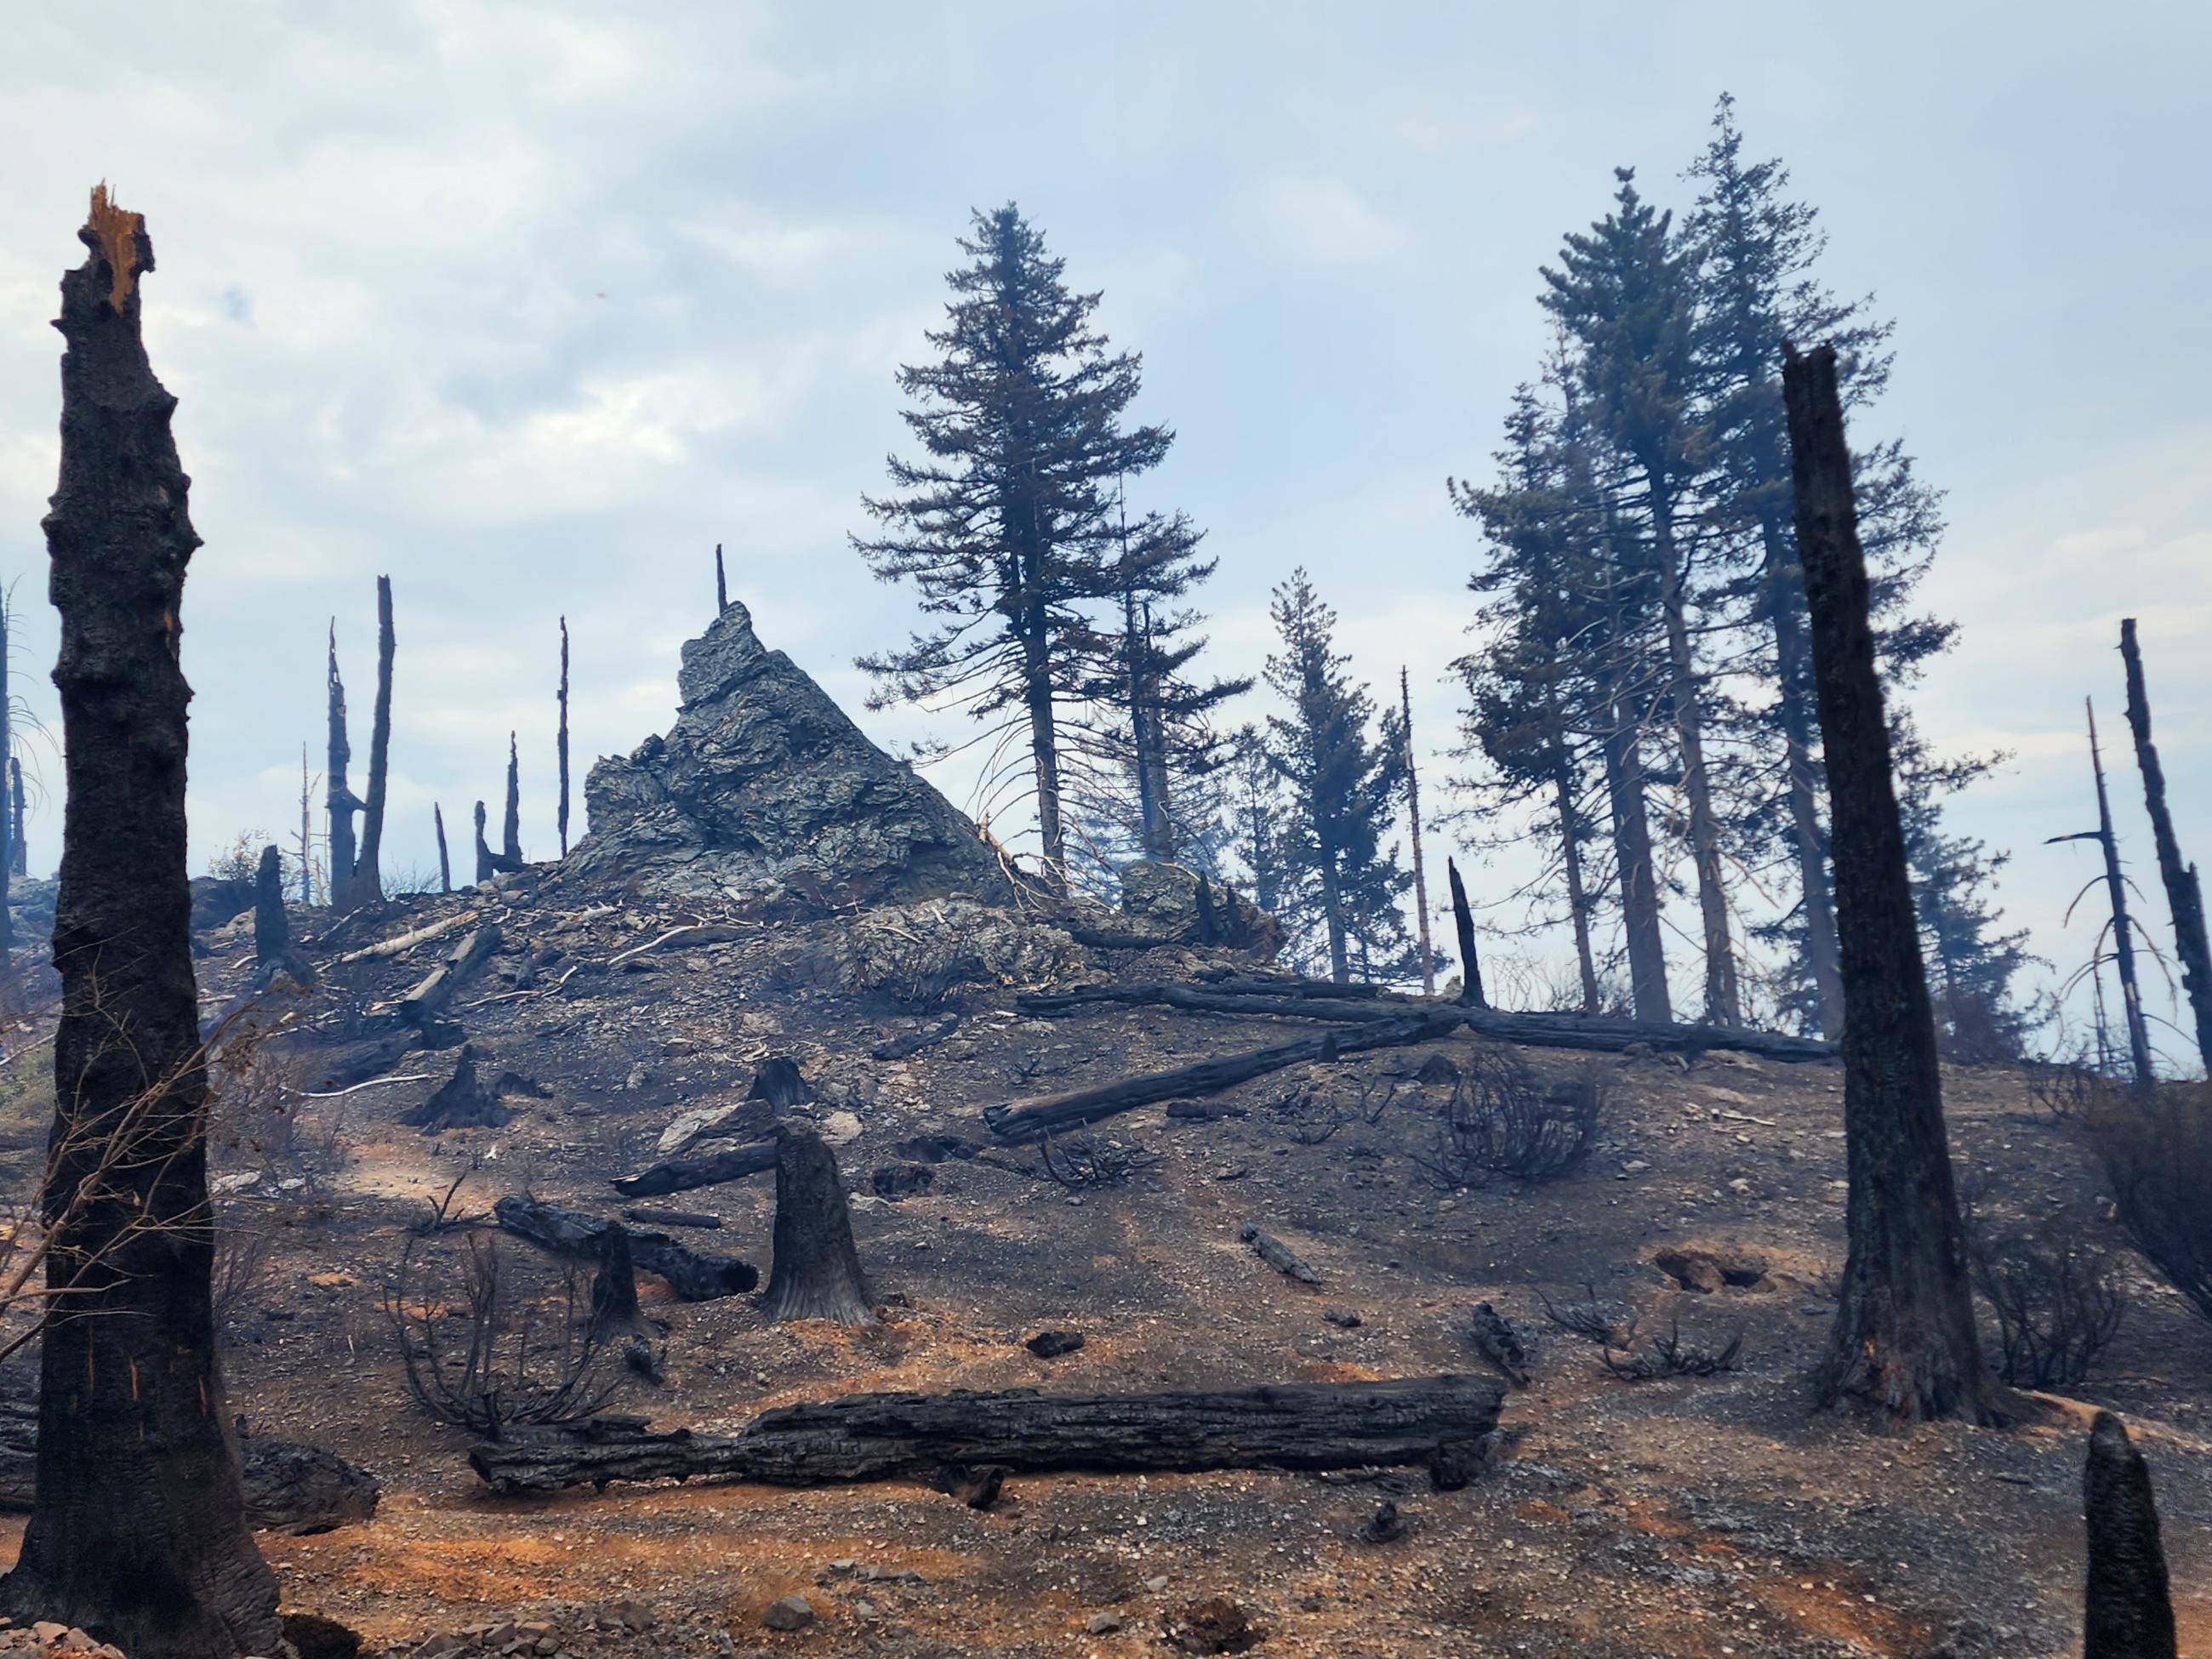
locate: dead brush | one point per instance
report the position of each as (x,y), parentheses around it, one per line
(1591,1320)
(2064,1091)
(1504,1119)
(1311,1112)
(2157,1152)
(1670,1356)
(1084,1161)
(2058,1301)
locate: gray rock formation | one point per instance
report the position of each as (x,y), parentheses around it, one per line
(1170,903)
(765,792)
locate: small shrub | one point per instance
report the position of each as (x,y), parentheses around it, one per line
(1504,1119)
(1590,1319)
(1312,1111)
(2058,1301)
(2064,1090)
(1082,1160)
(1670,1356)
(2157,1153)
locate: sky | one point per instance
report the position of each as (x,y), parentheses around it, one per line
(529,305)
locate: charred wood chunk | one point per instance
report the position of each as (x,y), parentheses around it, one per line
(1051,1345)
(1277,1254)
(684,1175)
(776,1081)
(2128,1607)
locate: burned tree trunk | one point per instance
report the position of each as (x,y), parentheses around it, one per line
(444,864)
(2184,896)
(487,867)
(1413,819)
(138,1528)
(510,833)
(561,743)
(272,932)
(721,583)
(366,886)
(337,794)
(11,786)
(816,1273)
(1470,981)
(2128,1607)
(1904,1336)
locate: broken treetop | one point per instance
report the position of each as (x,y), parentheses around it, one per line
(765,791)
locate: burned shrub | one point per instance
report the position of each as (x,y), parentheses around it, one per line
(1080,1159)
(1504,1119)
(1313,1110)
(1589,1319)
(2065,1090)
(2157,1152)
(487,1352)
(1670,1356)
(2056,1297)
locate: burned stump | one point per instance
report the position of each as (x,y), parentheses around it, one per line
(816,1270)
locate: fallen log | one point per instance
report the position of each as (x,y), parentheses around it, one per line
(884,1436)
(402,943)
(904,1048)
(1277,1254)
(694,1275)
(1618,1036)
(682,1175)
(428,1000)
(709,933)
(1019,1120)
(671,1218)
(1210,999)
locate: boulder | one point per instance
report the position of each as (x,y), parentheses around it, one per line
(1180,906)
(766,793)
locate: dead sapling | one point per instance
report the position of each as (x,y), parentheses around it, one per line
(1083,1161)
(1670,1356)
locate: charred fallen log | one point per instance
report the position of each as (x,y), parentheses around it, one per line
(884,1436)
(428,1001)
(1210,999)
(905,1048)
(694,1275)
(1277,1254)
(682,1175)
(1018,1119)
(1588,1032)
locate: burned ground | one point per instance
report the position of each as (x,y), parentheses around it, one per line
(1704,1515)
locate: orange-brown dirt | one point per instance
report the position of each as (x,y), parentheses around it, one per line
(1708,1516)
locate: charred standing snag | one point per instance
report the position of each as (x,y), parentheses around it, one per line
(816,1273)
(2116,888)
(337,794)
(2183,896)
(138,1529)
(444,864)
(1413,822)
(2127,1608)
(18,861)
(721,583)
(366,886)
(272,932)
(1903,1336)
(511,826)
(487,866)
(1470,984)
(561,743)
(888,1436)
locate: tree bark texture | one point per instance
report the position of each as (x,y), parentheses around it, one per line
(816,1271)
(2184,896)
(2127,1605)
(889,1437)
(1903,1337)
(367,884)
(137,1531)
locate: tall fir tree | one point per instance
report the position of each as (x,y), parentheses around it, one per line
(1344,766)
(1008,527)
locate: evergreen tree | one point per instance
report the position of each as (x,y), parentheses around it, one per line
(1345,767)
(1008,528)
(1625,292)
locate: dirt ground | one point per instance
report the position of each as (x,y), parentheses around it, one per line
(1708,1516)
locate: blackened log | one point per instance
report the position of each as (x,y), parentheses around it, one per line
(653,1218)
(137,1527)
(366,886)
(1210,999)
(1903,1337)
(1021,1120)
(889,1437)
(2127,1605)
(444,864)
(1470,981)
(561,743)
(428,999)
(1613,1036)
(816,1270)
(905,1048)
(463,1101)
(272,932)
(682,1174)
(1277,1254)
(2185,897)
(510,849)
(694,1275)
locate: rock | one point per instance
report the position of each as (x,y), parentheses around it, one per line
(1215,1625)
(766,792)
(792,1613)
(1343,1318)
(1101,1623)
(1171,903)
(917,954)
(1157,1582)
(1051,1345)
(1438,1071)
(839,1127)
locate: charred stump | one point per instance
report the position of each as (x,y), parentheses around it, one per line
(816,1271)
(1470,983)
(2185,897)
(272,929)
(614,1290)
(463,1101)
(1903,1337)
(2128,1607)
(138,1530)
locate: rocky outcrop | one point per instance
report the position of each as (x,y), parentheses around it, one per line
(1170,903)
(765,792)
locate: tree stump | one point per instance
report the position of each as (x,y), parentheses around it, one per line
(2128,1607)
(816,1271)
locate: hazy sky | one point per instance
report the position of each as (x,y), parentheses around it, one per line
(528,305)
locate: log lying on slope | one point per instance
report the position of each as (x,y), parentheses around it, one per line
(428,1000)
(1211,999)
(1618,1036)
(682,1175)
(1018,1119)
(694,1275)
(884,1437)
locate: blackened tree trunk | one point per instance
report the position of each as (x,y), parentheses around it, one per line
(510,833)
(2129,1607)
(366,886)
(816,1273)
(2124,941)
(1903,1336)
(138,1530)
(337,794)
(561,743)
(272,933)
(19,860)
(2184,896)
(486,866)
(1470,983)
(444,864)
(721,583)
(1413,819)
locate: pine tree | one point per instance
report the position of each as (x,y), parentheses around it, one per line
(1008,528)
(1345,767)
(1626,295)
